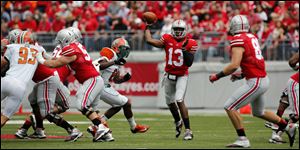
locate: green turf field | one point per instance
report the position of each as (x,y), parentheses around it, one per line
(210,131)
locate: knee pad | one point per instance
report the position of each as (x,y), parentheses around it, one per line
(60,109)
(55,118)
(87,111)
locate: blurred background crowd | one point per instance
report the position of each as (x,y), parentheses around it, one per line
(276,23)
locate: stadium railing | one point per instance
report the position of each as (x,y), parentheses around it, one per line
(213,46)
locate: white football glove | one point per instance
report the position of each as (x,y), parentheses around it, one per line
(40,57)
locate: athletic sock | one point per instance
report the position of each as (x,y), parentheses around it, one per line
(96,121)
(241,132)
(26,124)
(186,122)
(131,122)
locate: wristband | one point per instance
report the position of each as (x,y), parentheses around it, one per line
(220,75)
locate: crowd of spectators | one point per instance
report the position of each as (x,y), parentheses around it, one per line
(276,23)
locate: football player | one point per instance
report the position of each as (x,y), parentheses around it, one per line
(246,53)
(75,55)
(180,52)
(11,39)
(42,101)
(15,86)
(290,97)
(108,64)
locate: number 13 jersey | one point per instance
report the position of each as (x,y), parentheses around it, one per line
(252,63)
(174,55)
(82,67)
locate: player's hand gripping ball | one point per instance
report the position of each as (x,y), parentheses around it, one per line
(149,17)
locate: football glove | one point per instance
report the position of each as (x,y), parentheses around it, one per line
(120,61)
(126,77)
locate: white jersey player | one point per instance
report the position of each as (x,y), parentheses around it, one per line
(108,65)
(17,83)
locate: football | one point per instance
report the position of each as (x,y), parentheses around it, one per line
(149,17)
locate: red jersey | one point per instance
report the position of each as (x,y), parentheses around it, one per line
(174,55)
(252,63)
(82,67)
(295,77)
(42,73)
(63,71)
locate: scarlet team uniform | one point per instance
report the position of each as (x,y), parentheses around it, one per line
(63,93)
(44,92)
(253,68)
(293,92)
(176,75)
(85,72)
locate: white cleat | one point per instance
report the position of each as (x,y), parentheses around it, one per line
(271,125)
(242,142)
(101,131)
(21,133)
(74,135)
(106,138)
(276,138)
(291,130)
(39,133)
(188,135)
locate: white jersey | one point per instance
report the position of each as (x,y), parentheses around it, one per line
(109,55)
(22,61)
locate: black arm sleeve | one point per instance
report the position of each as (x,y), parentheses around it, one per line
(188,58)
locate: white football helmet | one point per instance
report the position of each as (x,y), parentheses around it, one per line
(179,29)
(76,32)
(238,24)
(64,37)
(13,36)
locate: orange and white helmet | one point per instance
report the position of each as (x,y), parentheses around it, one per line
(13,35)
(26,37)
(121,47)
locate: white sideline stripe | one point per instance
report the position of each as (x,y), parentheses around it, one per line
(83,122)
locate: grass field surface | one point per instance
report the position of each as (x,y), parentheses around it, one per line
(210,132)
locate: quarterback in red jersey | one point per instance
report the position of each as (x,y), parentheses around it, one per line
(246,53)
(179,57)
(76,57)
